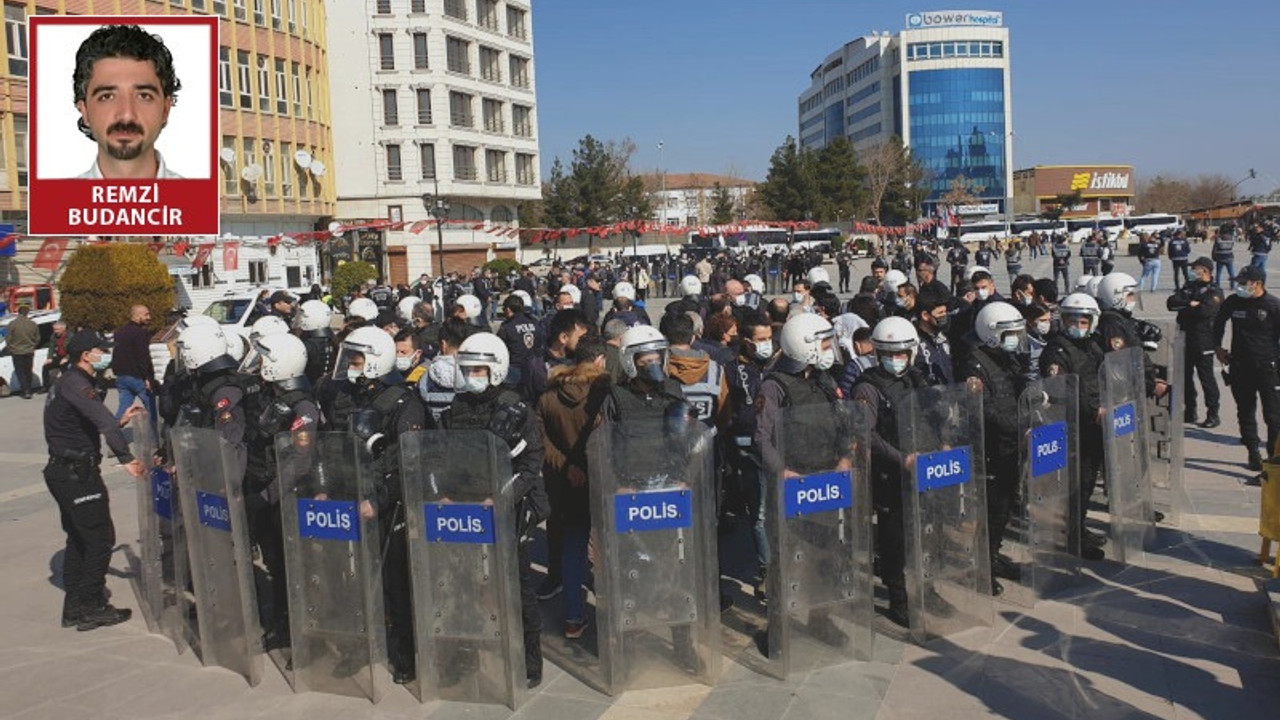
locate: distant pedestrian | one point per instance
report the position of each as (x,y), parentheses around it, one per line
(131,363)
(22,339)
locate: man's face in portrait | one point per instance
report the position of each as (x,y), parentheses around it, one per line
(125,106)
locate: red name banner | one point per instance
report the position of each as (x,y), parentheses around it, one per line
(124,207)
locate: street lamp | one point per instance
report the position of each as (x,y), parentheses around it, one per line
(662,173)
(1006,154)
(438,208)
(635,234)
(1252,174)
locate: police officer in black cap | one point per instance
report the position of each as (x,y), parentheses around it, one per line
(74,420)
(1197,303)
(1179,250)
(958,258)
(1255,351)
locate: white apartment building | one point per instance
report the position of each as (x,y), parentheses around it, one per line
(942,85)
(434,97)
(689,198)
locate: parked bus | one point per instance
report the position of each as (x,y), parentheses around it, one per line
(982,230)
(1081,228)
(1024,228)
(1153,223)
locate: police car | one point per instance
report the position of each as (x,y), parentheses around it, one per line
(8,375)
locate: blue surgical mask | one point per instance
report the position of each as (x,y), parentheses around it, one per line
(1242,291)
(1076,333)
(103,362)
(354,375)
(894,365)
(764,350)
(652,372)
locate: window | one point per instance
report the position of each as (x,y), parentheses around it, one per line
(259,12)
(257,271)
(250,157)
(515,23)
(202,278)
(231,175)
(489,64)
(495,164)
(420,51)
(395,213)
(458,52)
(264,84)
(197,4)
(395,172)
(390,108)
(15,32)
(427,160)
(293,276)
(220,7)
(456,9)
(286,170)
(305,27)
(384,7)
(282,93)
(418,6)
(293,16)
(310,94)
(460,110)
(246,93)
(864,113)
(295,73)
(492,110)
(387,51)
(487,14)
(522,120)
(20,148)
(519,68)
(241,11)
(524,169)
(268,169)
(277,14)
(225,97)
(464,162)
(424,106)
(501,214)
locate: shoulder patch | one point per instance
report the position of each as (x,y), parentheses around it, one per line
(224,417)
(1055,369)
(300,422)
(224,403)
(1117,343)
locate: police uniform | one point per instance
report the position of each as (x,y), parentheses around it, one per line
(958,258)
(1081,357)
(269,412)
(319,345)
(1013,260)
(880,394)
(985,257)
(501,411)
(1117,330)
(1255,339)
(1090,257)
(384,407)
(933,357)
(1224,256)
(525,339)
(1179,250)
(1061,255)
(1003,381)
(1197,323)
(745,377)
(75,420)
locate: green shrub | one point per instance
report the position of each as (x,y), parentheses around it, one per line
(102,282)
(502,267)
(350,275)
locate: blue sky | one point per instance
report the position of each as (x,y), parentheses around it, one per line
(1177,88)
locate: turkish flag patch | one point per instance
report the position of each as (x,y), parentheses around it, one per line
(299,423)
(223,404)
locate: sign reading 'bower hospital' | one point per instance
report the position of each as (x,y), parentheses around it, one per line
(113,151)
(952,18)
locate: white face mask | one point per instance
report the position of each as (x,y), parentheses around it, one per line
(894,365)
(103,362)
(1044,327)
(1243,291)
(1130,305)
(1010,342)
(475,384)
(404,362)
(740,300)
(982,293)
(826,359)
(798,296)
(354,375)
(764,349)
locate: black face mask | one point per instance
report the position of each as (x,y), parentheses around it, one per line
(651,373)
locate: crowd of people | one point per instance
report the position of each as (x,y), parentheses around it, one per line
(581,348)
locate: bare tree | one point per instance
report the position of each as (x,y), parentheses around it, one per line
(963,191)
(1208,189)
(1162,194)
(884,166)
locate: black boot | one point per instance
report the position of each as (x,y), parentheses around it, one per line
(1189,416)
(105,616)
(1255,460)
(1211,420)
(897,612)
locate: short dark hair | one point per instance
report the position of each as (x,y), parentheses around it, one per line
(407,334)
(678,327)
(1034,310)
(589,348)
(122,41)
(1024,281)
(1046,290)
(514,303)
(830,304)
(750,323)
(564,321)
(455,330)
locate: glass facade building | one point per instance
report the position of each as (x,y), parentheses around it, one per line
(957,121)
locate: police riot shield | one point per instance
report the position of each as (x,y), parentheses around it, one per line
(820,606)
(217,538)
(154,578)
(463,554)
(656,582)
(333,568)
(1165,420)
(945,510)
(1125,445)
(1041,539)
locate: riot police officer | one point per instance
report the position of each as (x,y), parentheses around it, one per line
(625,308)
(284,404)
(368,397)
(958,259)
(1118,329)
(1254,357)
(879,391)
(1001,332)
(75,419)
(691,299)
(1061,255)
(1090,256)
(1013,258)
(1179,250)
(985,256)
(745,375)
(313,325)
(1074,351)
(932,322)
(523,337)
(1197,303)
(483,402)
(220,392)
(1224,253)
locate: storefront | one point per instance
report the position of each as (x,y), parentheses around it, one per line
(1104,190)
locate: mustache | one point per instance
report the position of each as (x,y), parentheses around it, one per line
(125,127)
